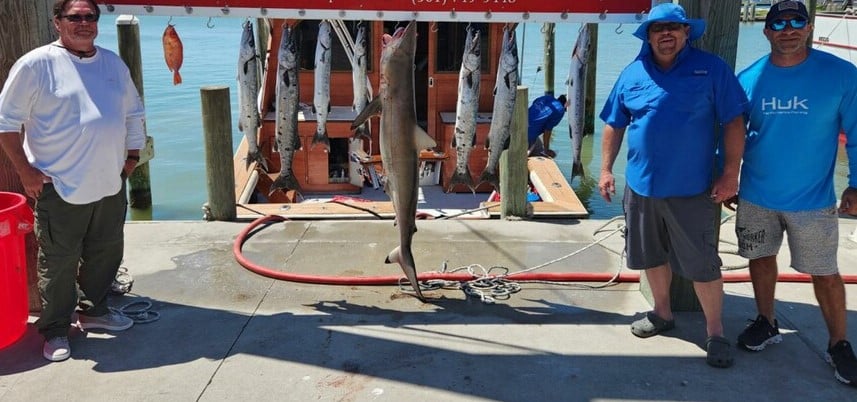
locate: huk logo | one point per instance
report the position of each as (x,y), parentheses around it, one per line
(793,105)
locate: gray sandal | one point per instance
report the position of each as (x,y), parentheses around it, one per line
(718,353)
(651,325)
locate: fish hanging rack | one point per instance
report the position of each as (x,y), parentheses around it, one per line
(435,15)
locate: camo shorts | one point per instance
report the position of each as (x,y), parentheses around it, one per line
(813,236)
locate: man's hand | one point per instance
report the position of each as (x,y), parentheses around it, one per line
(607,185)
(129,167)
(848,202)
(724,188)
(731,203)
(33,181)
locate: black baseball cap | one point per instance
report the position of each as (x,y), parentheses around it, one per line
(784,8)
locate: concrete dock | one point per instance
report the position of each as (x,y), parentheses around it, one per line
(228,334)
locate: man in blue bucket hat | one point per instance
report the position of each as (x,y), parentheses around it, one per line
(677,103)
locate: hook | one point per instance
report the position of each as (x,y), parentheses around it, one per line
(433,27)
(209,24)
(170,20)
(618,29)
(547,28)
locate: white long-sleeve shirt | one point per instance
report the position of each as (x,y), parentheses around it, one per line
(80,116)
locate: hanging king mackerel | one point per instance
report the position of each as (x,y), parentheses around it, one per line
(286,106)
(400,139)
(248,90)
(465,112)
(577,97)
(360,80)
(321,95)
(505,90)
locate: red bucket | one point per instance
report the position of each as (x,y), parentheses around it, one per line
(16,220)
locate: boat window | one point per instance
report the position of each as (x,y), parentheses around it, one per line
(339,59)
(337,161)
(450,45)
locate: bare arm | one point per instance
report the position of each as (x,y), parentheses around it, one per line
(611,141)
(31,178)
(726,186)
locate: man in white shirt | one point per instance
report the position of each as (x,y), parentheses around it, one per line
(71,122)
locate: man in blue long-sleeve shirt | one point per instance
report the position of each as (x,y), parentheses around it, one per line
(544,114)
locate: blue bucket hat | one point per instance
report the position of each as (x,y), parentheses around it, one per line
(669,12)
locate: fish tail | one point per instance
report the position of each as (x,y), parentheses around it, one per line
(461,178)
(320,137)
(177,78)
(490,177)
(576,170)
(257,157)
(362,131)
(285,182)
(396,256)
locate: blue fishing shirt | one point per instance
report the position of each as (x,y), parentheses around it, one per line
(795,115)
(544,114)
(673,120)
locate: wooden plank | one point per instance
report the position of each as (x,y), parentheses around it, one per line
(558,198)
(242,174)
(320,210)
(549,181)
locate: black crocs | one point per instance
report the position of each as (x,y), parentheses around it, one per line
(719,352)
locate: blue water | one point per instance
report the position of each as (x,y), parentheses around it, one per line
(210,55)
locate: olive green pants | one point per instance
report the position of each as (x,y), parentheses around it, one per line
(80,249)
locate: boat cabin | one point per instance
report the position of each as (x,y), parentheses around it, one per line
(345,168)
(352,165)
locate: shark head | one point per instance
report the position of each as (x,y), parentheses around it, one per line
(399,46)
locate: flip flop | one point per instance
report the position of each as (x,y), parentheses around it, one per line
(718,352)
(651,325)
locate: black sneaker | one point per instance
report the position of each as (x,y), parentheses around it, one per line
(759,334)
(841,357)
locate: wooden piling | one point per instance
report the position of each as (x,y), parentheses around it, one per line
(33,27)
(139,183)
(514,175)
(591,74)
(217,131)
(549,33)
(721,38)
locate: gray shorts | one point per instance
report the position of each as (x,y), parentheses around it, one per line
(680,231)
(813,236)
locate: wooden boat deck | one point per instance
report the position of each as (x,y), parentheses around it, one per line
(558,198)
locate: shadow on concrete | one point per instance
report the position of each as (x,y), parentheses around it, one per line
(544,351)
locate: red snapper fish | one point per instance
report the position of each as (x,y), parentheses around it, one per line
(173,52)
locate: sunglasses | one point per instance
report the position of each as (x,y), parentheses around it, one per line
(670,26)
(80,17)
(779,25)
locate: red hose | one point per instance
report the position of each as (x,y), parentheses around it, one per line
(458,277)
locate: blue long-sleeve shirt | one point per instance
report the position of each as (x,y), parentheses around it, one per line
(671,116)
(544,114)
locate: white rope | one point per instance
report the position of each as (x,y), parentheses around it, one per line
(490,287)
